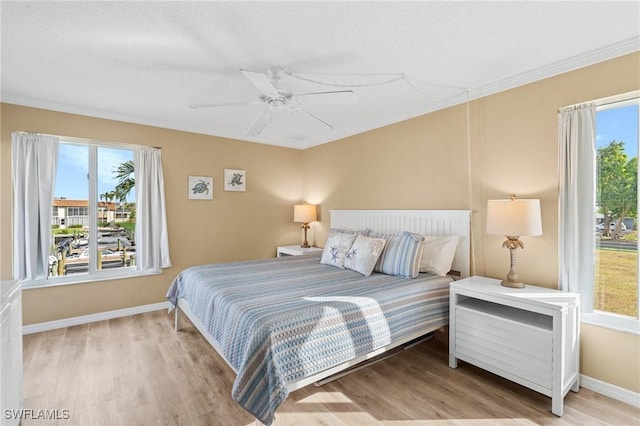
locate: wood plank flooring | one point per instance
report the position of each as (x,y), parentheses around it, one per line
(138,371)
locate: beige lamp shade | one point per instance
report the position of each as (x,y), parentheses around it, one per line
(515,217)
(304,213)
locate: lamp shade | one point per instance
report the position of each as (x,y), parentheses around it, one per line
(304,213)
(515,217)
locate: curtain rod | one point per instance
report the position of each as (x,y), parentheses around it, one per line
(609,100)
(85,140)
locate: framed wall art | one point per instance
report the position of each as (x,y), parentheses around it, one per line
(235,180)
(200,188)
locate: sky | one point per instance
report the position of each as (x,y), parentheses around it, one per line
(71,178)
(619,124)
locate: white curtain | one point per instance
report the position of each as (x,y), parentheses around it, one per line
(152,239)
(34,162)
(576,219)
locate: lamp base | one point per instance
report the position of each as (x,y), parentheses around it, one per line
(305,243)
(512,280)
(512,284)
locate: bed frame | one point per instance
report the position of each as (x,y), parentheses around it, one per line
(427,222)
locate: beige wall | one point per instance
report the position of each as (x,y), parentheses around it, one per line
(234,226)
(417,164)
(422,163)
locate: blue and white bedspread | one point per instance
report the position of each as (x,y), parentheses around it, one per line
(283,319)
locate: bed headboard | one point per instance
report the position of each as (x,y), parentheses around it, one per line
(426,222)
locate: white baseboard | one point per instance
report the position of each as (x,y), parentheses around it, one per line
(612,391)
(85,319)
(604,388)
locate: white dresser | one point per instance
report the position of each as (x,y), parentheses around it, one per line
(528,335)
(296,250)
(10,352)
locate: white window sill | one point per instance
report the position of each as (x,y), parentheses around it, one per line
(612,321)
(88,278)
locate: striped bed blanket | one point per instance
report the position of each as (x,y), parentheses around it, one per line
(280,320)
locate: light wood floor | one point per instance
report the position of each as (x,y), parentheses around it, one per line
(138,370)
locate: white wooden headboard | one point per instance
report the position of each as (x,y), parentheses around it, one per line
(426,222)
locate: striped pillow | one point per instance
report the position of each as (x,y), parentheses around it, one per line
(401,255)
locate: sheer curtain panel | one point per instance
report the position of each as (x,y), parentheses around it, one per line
(34,162)
(152,240)
(576,221)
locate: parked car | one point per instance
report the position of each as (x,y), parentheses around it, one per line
(612,226)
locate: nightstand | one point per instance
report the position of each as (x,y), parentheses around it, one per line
(296,250)
(529,335)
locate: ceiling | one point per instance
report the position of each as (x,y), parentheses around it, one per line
(150,62)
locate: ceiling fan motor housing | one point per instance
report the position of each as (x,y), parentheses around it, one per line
(279,102)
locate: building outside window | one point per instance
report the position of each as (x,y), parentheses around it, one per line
(94,187)
(93,232)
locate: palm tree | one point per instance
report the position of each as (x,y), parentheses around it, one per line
(102,197)
(126,181)
(108,197)
(124,173)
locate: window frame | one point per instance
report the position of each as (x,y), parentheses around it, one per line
(93,274)
(603,318)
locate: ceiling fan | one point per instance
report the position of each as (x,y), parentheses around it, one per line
(283,100)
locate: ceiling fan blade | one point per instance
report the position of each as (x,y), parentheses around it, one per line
(307,119)
(261,82)
(326,98)
(197,106)
(259,123)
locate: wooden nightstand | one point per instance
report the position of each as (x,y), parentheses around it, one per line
(529,335)
(296,250)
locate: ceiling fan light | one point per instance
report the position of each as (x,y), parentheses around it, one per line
(282,100)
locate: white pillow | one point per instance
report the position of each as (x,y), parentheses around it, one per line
(364,253)
(438,254)
(336,248)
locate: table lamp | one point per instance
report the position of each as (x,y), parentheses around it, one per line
(513,218)
(304,213)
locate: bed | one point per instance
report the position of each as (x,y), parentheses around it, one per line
(284,323)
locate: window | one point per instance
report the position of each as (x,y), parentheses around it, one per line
(105,217)
(598,209)
(94,186)
(616,209)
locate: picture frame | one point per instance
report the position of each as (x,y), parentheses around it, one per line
(235,180)
(200,188)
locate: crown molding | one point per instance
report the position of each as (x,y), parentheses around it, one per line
(572,63)
(584,59)
(9,98)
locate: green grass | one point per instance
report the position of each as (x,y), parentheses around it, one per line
(616,280)
(129,226)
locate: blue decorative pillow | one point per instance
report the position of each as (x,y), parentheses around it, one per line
(336,248)
(363,254)
(402,254)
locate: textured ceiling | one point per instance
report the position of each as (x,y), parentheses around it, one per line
(148,62)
